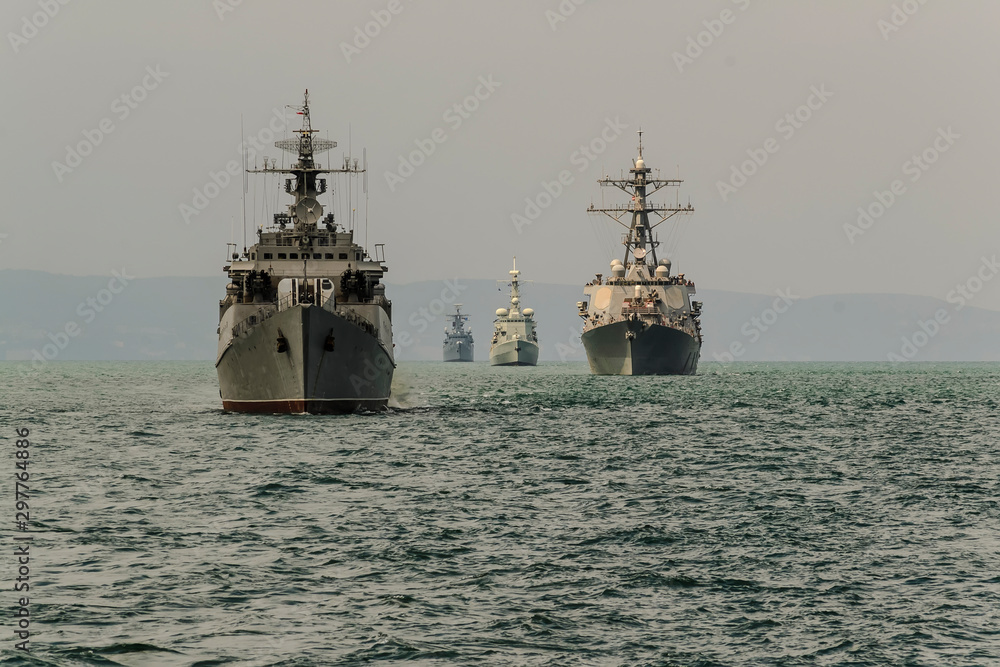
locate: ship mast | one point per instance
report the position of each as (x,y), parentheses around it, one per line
(640,186)
(305,187)
(515,294)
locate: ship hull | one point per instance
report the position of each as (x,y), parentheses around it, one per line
(356,374)
(455,352)
(628,348)
(514,353)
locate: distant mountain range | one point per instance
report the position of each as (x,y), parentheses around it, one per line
(96,318)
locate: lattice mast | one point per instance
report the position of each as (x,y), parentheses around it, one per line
(639,241)
(305,185)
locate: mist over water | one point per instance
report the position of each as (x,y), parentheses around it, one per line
(773,514)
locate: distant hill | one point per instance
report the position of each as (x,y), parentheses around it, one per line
(176,319)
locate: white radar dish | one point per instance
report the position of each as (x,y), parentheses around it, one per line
(308,210)
(639,253)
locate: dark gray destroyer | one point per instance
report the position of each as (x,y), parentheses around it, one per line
(305,325)
(641,320)
(458,343)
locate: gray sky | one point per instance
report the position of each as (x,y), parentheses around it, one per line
(889,91)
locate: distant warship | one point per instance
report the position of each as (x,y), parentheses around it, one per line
(458,344)
(305,325)
(641,320)
(515,341)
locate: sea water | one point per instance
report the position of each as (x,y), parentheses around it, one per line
(754,514)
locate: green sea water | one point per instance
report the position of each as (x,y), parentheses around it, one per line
(753,514)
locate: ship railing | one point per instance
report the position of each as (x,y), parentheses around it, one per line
(253,320)
(351,316)
(273,308)
(289,300)
(641,310)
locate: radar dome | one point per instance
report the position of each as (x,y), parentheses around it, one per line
(615,262)
(515,301)
(501,312)
(528,312)
(640,164)
(618,270)
(662,271)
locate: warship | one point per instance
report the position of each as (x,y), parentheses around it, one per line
(515,339)
(641,320)
(305,326)
(458,343)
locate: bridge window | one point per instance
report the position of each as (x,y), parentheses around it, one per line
(317,255)
(281,255)
(329,255)
(293,255)
(343,255)
(267,255)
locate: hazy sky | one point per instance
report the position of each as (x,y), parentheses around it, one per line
(711,84)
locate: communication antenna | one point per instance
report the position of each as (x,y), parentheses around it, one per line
(243,145)
(350,153)
(334,183)
(364,154)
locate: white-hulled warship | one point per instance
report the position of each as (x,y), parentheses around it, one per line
(458,343)
(515,340)
(305,325)
(641,320)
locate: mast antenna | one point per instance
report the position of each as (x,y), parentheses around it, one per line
(365,181)
(350,186)
(244,147)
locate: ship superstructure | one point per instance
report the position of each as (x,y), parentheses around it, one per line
(515,339)
(641,320)
(305,325)
(458,343)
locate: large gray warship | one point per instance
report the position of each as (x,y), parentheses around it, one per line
(305,325)
(515,340)
(641,320)
(458,343)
